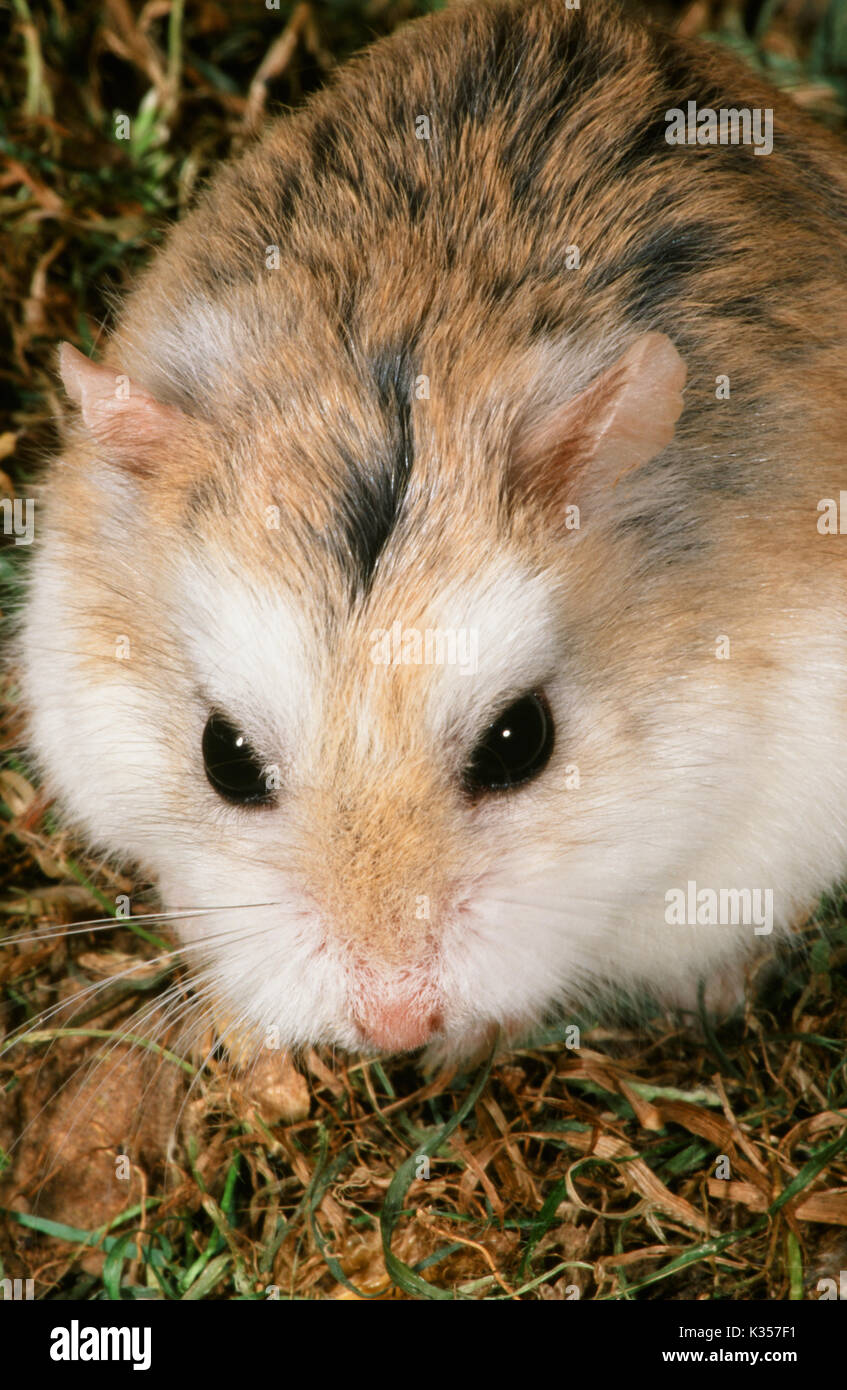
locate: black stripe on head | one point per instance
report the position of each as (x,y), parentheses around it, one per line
(660,266)
(482,75)
(287,199)
(647,145)
(669,259)
(549,116)
(335,157)
(375,489)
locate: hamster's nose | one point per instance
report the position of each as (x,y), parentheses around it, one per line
(397,1025)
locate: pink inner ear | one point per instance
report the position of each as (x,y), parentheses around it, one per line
(645,407)
(128,423)
(621,420)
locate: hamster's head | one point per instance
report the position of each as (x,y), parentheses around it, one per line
(376,682)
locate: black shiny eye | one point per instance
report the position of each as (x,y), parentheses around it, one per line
(233,768)
(514,749)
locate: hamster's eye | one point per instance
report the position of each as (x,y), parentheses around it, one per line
(233,768)
(514,749)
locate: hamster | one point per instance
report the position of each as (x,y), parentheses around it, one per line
(440,592)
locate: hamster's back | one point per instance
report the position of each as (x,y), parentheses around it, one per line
(501,175)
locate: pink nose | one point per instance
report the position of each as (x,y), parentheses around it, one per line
(398,1025)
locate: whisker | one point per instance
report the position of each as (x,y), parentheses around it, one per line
(106,923)
(221,936)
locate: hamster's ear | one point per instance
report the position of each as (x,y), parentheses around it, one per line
(621,420)
(133,430)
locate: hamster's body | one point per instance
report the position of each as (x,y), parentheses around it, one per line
(472,324)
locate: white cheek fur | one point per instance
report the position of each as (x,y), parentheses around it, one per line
(267,970)
(97,741)
(726,800)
